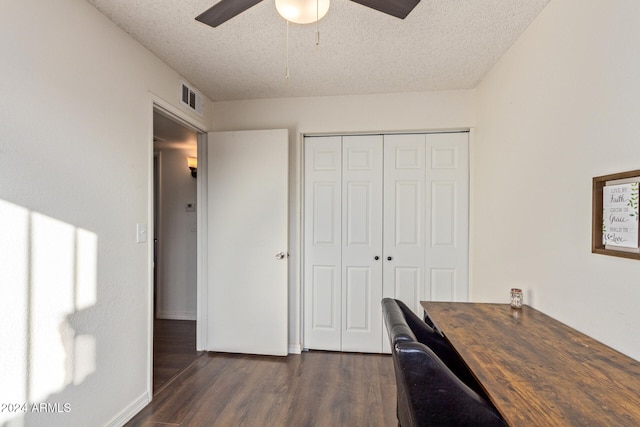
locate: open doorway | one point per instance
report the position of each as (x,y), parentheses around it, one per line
(175,247)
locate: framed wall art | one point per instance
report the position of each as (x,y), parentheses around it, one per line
(615,215)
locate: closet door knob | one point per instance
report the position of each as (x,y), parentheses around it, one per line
(376,257)
(389,258)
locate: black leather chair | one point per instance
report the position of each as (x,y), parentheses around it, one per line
(434,386)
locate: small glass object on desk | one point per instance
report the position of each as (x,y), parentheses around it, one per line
(516,298)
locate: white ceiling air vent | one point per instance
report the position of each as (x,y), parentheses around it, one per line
(191,98)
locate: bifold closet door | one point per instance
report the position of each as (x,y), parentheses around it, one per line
(426,217)
(362,243)
(323,243)
(404,218)
(384,216)
(343,243)
(447,221)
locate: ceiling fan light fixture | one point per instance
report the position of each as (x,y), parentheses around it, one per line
(302,11)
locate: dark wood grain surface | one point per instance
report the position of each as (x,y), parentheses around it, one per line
(174,348)
(314,389)
(538,371)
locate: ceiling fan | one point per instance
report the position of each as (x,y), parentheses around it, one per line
(224,10)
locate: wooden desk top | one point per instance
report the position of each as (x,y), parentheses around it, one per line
(538,371)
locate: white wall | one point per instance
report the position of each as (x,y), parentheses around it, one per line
(176,295)
(75,163)
(338,114)
(560,108)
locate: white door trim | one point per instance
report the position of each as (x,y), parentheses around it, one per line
(159,104)
(202,209)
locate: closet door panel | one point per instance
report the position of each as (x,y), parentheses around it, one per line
(324,292)
(407,204)
(358,299)
(322,243)
(407,283)
(443,284)
(447,217)
(444,227)
(404,218)
(358,215)
(362,242)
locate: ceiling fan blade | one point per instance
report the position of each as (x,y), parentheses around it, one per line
(224,10)
(398,8)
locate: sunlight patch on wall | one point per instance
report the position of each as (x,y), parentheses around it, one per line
(52,278)
(48,279)
(14,276)
(86,269)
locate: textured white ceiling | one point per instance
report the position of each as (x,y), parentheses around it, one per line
(441,45)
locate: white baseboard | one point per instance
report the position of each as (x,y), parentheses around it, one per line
(295,349)
(175,315)
(128,413)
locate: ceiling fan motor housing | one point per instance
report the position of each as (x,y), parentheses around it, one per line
(224,10)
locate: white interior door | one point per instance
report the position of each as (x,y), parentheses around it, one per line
(447,249)
(323,242)
(247,290)
(343,243)
(404,213)
(404,220)
(362,243)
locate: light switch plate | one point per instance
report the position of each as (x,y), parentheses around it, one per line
(141,233)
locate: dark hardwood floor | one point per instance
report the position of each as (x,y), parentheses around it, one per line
(174,348)
(311,389)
